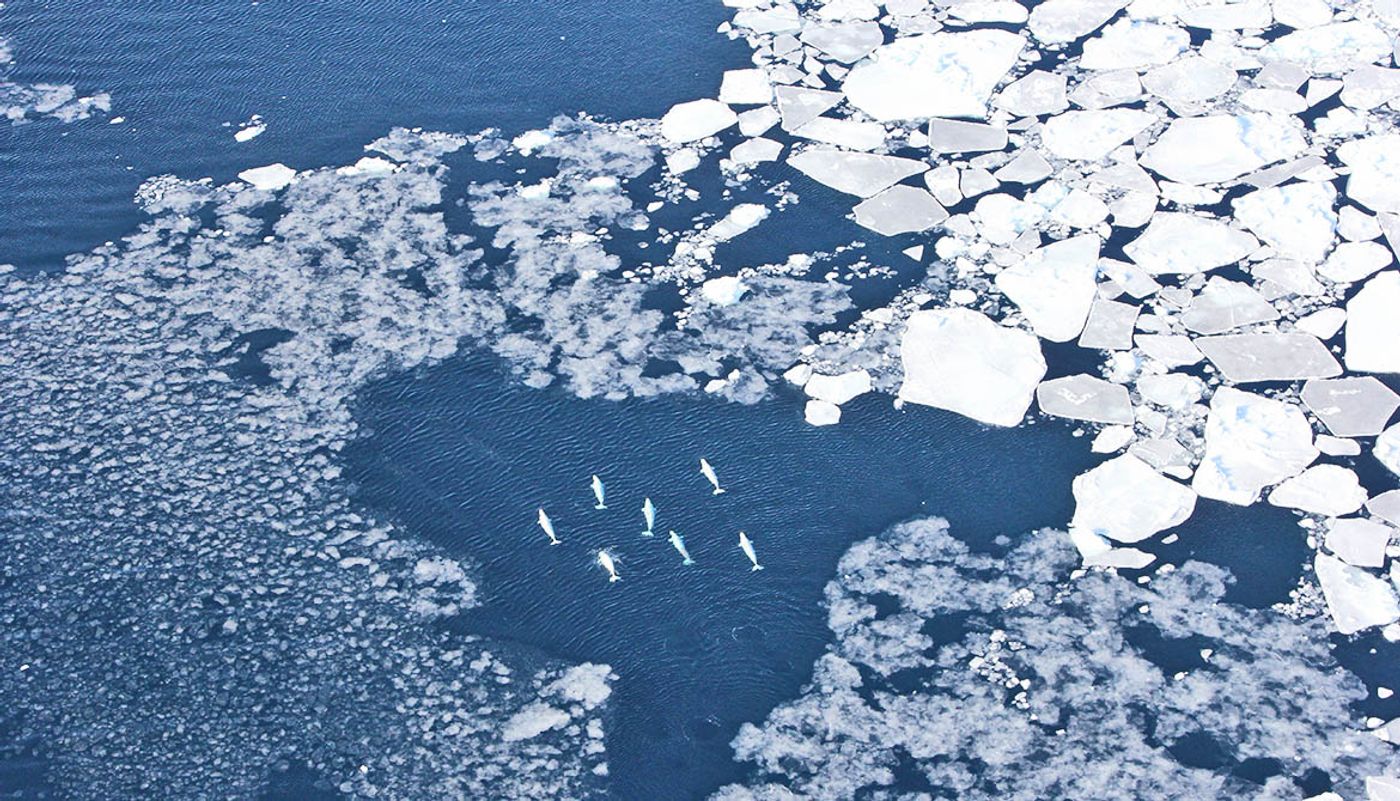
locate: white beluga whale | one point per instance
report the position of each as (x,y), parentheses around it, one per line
(548,526)
(709,473)
(746,545)
(649,512)
(598,493)
(680,548)
(605,559)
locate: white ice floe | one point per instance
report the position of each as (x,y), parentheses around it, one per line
(838,389)
(846,42)
(1359,541)
(723,291)
(1251,358)
(1204,150)
(1356,598)
(1296,220)
(1330,49)
(1324,489)
(1337,446)
(1251,442)
(696,120)
(859,174)
(960,360)
(1187,83)
(1386,506)
(821,413)
(269,178)
(1062,21)
(1092,135)
(1112,439)
(933,75)
(1036,93)
(1125,500)
(849,134)
(1085,397)
(1110,325)
(1358,406)
(1180,243)
(1374,181)
(1224,305)
(250,130)
(1350,262)
(900,210)
(1171,390)
(1172,350)
(1387,449)
(799,105)
(745,87)
(958,136)
(1055,286)
(369,166)
(1373,326)
(1133,44)
(755,151)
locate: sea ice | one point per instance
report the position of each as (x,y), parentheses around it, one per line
(1204,150)
(900,210)
(859,174)
(1352,406)
(933,75)
(1187,83)
(1251,442)
(1387,449)
(1173,350)
(1296,219)
(1125,500)
(1356,598)
(846,42)
(269,178)
(1330,49)
(1092,135)
(1250,358)
(1133,44)
(960,360)
(723,291)
(1373,326)
(1034,94)
(1055,286)
(1184,244)
(838,389)
(957,136)
(755,151)
(1085,397)
(1225,305)
(745,87)
(1375,171)
(1063,21)
(1324,489)
(821,413)
(850,134)
(1110,325)
(1172,390)
(1386,506)
(799,105)
(696,120)
(1355,261)
(1359,541)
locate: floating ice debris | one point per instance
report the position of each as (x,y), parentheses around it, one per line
(1133,44)
(1034,94)
(1187,83)
(532,721)
(859,174)
(849,134)
(606,561)
(1296,219)
(1055,286)
(724,290)
(747,547)
(1337,446)
(746,87)
(1330,49)
(269,178)
(958,359)
(1203,150)
(678,543)
(1184,244)
(1063,21)
(1092,135)
(1125,500)
(1085,397)
(1225,305)
(709,473)
(933,75)
(1359,541)
(251,129)
(695,120)
(1110,325)
(1251,358)
(900,210)
(799,105)
(1386,506)
(958,136)
(1382,788)
(1350,262)
(648,514)
(1374,181)
(846,42)
(821,413)
(1356,598)
(548,526)
(1324,489)
(1171,390)
(1387,449)
(598,493)
(369,165)
(1351,407)
(755,151)
(1251,442)
(838,389)
(1373,326)
(1172,350)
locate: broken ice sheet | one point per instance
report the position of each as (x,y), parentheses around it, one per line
(1055,286)
(1125,500)
(1252,358)
(859,174)
(1251,442)
(1180,243)
(1324,489)
(900,210)
(1085,397)
(1351,407)
(933,75)
(958,359)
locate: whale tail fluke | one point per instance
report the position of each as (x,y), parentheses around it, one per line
(648,533)
(717,491)
(555,542)
(755,567)
(600,506)
(611,579)
(688,562)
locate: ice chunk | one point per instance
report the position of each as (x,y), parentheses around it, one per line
(724,291)
(838,389)
(695,120)
(859,174)
(1187,83)
(900,210)
(821,413)
(1092,135)
(958,359)
(1331,49)
(1085,397)
(1107,89)
(1375,171)
(1125,500)
(1224,305)
(1386,506)
(1382,788)
(1110,325)
(1172,390)
(1369,86)
(532,721)
(1324,489)
(757,121)
(1251,442)
(798,105)
(1061,21)
(1387,449)
(1133,44)
(251,129)
(1055,286)
(849,134)
(1184,244)
(933,75)
(1173,350)
(755,151)
(988,11)
(269,178)
(1203,150)
(1354,261)
(1028,167)
(1297,219)
(1250,358)
(781,18)
(746,87)
(1358,541)
(846,42)
(369,165)
(1227,16)
(1351,407)
(1111,439)
(1038,92)
(1373,326)
(955,136)
(1356,599)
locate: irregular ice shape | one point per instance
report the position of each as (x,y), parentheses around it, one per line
(820,413)
(1324,489)
(846,42)
(756,151)
(1037,92)
(1387,449)
(1125,500)
(933,75)
(1375,171)
(1107,89)
(695,120)
(799,105)
(1173,350)
(1250,358)
(859,174)
(1172,390)
(1092,135)
(838,389)
(724,291)
(1337,446)
(1358,541)
(958,359)
(269,178)
(1188,82)
(1133,44)
(532,721)
(1351,407)
(1251,442)
(1355,261)
(1060,21)
(956,136)
(1386,506)
(1224,305)
(1203,150)
(1110,325)
(1296,220)
(1085,397)
(1055,285)
(1227,16)
(849,134)
(1373,326)
(1185,244)
(1382,788)
(1356,599)
(900,210)
(746,87)
(1331,49)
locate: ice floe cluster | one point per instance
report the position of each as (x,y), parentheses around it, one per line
(1009,675)
(23,102)
(193,600)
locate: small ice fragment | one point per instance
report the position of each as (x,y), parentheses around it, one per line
(695,120)
(859,174)
(957,136)
(1125,500)
(251,129)
(1324,489)
(1055,286)
(821,413)
(838,389)
(1110,325)
(1356,598)
(1085,397)
(723,291)
(269,178)
(745,87)
(900,210)
(1359,541)
(1173,350)
(1092,135)
(1224,305)
(960,360)
(798,105)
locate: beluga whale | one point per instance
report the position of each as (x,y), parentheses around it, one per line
(548,526)
(649,513)
(605,559)
(680,548)
(598,493)
(709,473)
(746,545)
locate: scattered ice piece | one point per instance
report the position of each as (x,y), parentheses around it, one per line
(900,210)
(859,174)
(1353,406)
(1028,167)
(1005,11)
(1359,541)
(1369,86)
(1110,325)
(1373,326)
(1387,449)
(269,178)
(369,165)
(960,360)
(1085,397)
(1185,244)
(1112,439)
(1107,89)
(532,721)
(1336,446)
(1386,506)
(1225,305)
(1289,275)
(1323,324)
(838,389)
(798,105)
(1171,390)
(1250,358)
(757,121)
(1133,279)
(1173,350)
(1324,489)
(1251,442)
(933,75)
(1133,44)
(251,129)
(1036,93)
(682,161)
(1063,21)
(1121,558)
(746,87)
(1125,500)
(1055,286)
(846,42)
(1375,171)
(1382,788)
(724,291)
(530,141)
(1296,220)
(1092,135)
(1203,150)
(1357,599)
(755,151)
(1330,49)
(696,120)
(956,136)
(1187,83)
(1355,261)
(780,18)
(821,413)
(849,134)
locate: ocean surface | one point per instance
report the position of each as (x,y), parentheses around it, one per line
(463,455)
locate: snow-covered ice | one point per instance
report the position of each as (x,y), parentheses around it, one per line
(933,75)
(960,360)
(1085,397)
(1125,500)
(1251,442)
(696,120)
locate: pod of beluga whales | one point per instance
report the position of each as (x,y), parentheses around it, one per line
(605,558)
